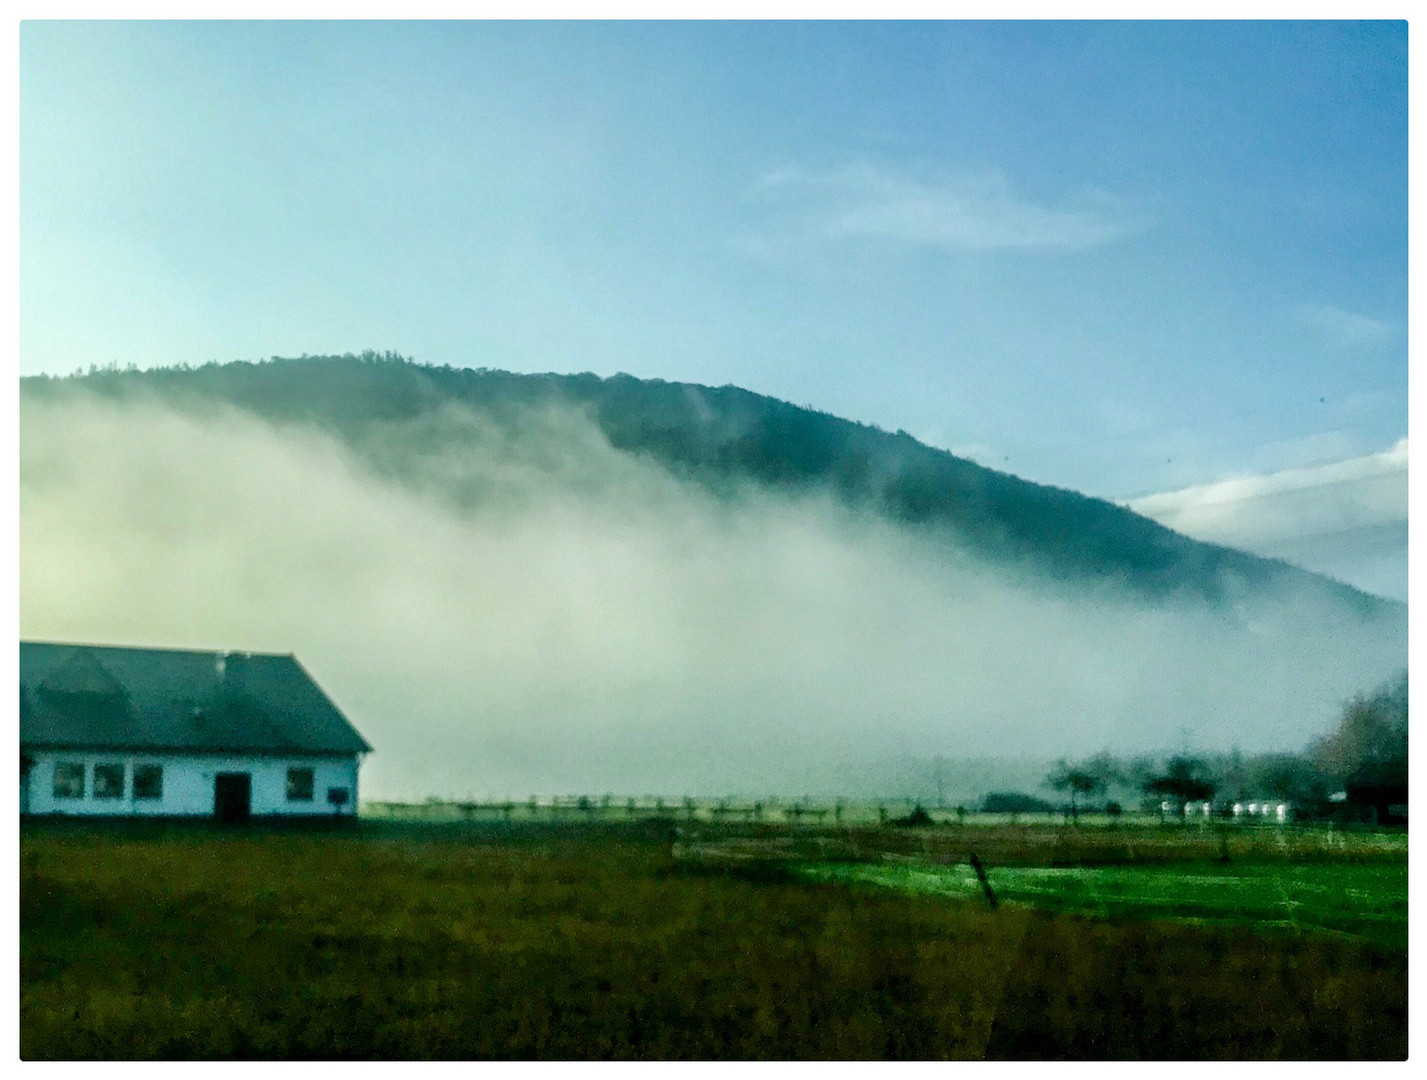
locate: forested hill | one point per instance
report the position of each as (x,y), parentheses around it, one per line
(726,438)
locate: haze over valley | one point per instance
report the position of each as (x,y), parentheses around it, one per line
(555,584)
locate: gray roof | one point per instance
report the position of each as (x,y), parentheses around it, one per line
(103,697)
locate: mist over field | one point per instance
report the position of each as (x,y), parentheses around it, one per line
(514,606)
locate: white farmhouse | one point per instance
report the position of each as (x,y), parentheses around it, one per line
(175,733)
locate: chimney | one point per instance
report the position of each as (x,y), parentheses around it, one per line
(232,668)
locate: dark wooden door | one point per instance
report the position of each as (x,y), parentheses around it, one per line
(232,796)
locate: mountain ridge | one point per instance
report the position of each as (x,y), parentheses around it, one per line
(725,438)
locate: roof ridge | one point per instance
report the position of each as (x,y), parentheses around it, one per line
(158,648)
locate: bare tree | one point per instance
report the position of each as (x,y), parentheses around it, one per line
(1371,730)
(1184,780)
(1086,778)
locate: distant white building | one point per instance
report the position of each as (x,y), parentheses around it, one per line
(108,731)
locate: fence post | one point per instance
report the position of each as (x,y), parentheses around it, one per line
(981,877)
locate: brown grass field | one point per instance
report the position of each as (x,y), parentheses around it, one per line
(393,941)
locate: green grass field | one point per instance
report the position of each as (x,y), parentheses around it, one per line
(612,942)
(1365,901)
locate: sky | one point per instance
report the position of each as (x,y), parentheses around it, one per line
(1161,263)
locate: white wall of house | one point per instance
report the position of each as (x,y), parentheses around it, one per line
(189,784)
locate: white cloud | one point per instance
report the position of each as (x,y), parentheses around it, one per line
(1345,329)
(1302,452)
(973,213)
(1335,518)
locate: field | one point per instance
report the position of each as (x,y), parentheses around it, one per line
(1363,901)
(699,938)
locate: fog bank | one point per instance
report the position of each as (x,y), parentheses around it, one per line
(507,609)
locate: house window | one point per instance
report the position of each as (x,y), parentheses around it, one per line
(337,796)
(299,785)
(69,780)
(148,781)
(109,781)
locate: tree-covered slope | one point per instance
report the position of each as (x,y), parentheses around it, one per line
(727,439)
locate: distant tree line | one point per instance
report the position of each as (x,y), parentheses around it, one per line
(1369,738)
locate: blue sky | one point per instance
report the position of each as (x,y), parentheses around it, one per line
(1135,259)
